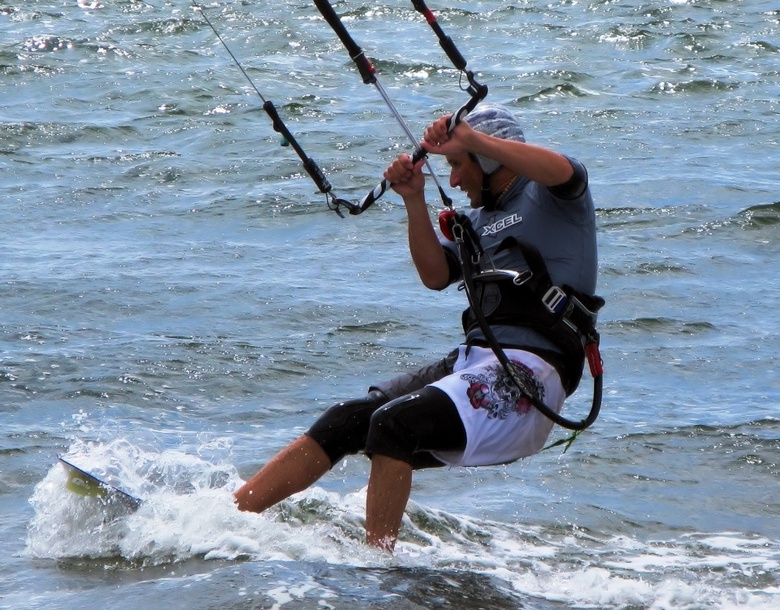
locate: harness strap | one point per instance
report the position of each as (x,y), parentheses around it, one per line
(576,309)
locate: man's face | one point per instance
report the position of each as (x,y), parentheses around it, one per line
(466,175)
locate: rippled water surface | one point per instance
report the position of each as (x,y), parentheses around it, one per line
(177,303)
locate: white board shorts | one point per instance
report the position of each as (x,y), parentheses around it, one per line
(501,424)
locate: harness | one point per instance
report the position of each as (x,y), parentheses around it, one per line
(563,315)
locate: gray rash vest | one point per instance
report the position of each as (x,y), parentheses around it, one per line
(564,232)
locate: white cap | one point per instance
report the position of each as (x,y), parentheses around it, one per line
(494,121)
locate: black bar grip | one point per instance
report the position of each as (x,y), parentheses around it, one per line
(445,41)
(309,164)
(355,52)
(420,153)
(452,52)
(311,167)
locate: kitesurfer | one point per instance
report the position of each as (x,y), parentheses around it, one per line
(533,241)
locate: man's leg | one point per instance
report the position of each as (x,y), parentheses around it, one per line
(401,435)
(293,469)
(341,430)
(389,487)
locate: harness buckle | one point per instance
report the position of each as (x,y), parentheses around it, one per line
(522,278)
(554,299)
(516,277)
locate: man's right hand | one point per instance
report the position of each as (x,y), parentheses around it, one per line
(406,177)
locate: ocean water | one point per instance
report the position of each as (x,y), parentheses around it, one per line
(177,303)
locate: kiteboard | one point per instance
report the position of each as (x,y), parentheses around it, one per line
(83,483)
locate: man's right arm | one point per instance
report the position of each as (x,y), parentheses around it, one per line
(427,253)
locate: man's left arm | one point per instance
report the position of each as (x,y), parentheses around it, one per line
(575,186)
(537,163)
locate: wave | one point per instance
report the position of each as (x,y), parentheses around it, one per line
(169,26)
(760,216)
(665,325)
(763,46)
(686,220)
(559,90)
(700,85)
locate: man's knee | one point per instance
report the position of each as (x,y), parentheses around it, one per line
(342,429)
(410,427)
(389,433)
(395,426)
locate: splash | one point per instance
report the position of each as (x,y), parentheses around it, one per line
(188,514)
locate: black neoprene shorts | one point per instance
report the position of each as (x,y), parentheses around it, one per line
(400,418)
